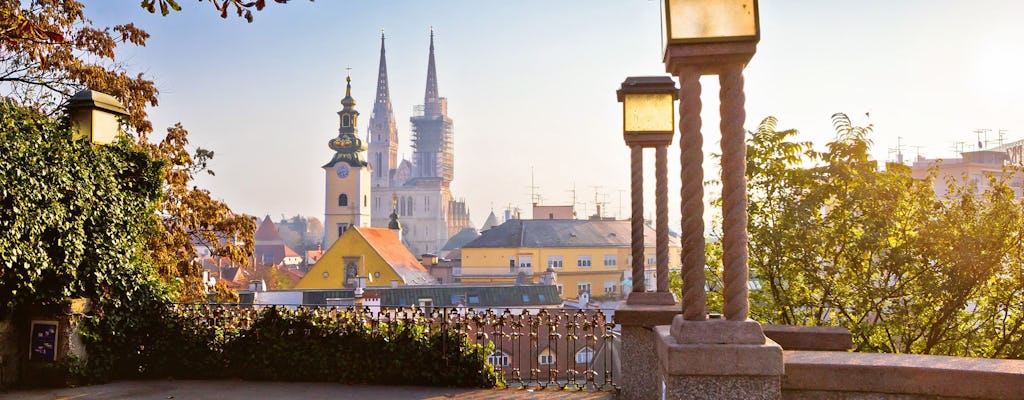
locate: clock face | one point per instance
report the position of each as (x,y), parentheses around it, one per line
(342,170)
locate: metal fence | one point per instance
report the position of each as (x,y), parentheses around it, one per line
(567,349)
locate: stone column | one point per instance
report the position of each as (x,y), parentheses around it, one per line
(661,216)
(636,170)
(718,358)
(691,192)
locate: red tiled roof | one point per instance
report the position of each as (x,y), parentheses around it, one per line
(386,243)
(288,252)
(267,231)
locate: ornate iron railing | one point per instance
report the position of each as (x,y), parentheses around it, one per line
(533,348)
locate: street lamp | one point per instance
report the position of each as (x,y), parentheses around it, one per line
(712,37)
(95,115)
(703,21)
(648,120)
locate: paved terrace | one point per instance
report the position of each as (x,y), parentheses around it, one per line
(248,390)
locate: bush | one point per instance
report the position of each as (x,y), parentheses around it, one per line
(309,344)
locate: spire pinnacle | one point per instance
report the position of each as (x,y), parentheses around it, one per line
(431,95)
(348,102)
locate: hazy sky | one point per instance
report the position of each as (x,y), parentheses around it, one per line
(531,86)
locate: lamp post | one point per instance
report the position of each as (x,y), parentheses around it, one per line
(712,37)
(95,115)
(648,120)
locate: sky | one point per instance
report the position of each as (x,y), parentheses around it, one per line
(531,87)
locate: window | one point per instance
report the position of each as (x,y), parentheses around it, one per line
(610,287)
(652,260)
(408,201)
(559,287)
(474,299)
(342,228)
(525,262)
(511,264)
(583,287)
(583,261)
(555,262)
(498,359)
(551,216)
(342,200)
(346,121)
(584,355)
(380,167)
(426,303)
(609,260)
(546,357)
(364,200)
(526,298)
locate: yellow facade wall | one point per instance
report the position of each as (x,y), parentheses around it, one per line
(329,271)
(491,265)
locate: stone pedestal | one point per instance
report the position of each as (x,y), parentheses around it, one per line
(718,359)
(639,378)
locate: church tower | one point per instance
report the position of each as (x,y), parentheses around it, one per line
(347,185)
(383,135)
(433,132)
(383,138)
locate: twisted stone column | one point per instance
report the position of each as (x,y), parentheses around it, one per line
(636,169)
(661,215)
(691,161)
(734,193)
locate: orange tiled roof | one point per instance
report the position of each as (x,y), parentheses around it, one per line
(267,231)
(387,245)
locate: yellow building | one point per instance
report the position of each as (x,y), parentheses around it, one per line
(586,255)
(366,257)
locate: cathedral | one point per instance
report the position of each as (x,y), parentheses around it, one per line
(417,190)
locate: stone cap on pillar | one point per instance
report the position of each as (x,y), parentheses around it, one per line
(645,314)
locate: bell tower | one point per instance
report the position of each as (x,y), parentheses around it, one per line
(347,184)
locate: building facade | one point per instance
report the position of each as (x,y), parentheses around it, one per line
(418,190)
(591,256)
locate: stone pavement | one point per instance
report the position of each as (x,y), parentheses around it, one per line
(248,390)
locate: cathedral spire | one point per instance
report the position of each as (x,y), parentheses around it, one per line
(431,96)
(383,102)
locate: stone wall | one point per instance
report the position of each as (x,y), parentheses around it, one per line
(814,375)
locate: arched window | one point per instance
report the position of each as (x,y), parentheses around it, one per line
(408,204)
(401,206)
(342,200)
(346,121)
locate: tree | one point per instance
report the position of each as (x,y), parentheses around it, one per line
(837,241)
(48,51)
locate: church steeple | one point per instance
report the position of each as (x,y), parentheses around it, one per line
(348,146)
(383,134)
(431,96)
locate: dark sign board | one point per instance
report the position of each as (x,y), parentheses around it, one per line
(44,341)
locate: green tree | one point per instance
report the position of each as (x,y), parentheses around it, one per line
(49,50)
(835,240)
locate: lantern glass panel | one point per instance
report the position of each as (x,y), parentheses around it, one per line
(648,113)
(710,20)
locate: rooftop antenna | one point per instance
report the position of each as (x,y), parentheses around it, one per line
(1002,137)
(619,214)
(958,147)
(898,150)
(982,133)
(573,203)
(597,201)
(535,197)
(918,157)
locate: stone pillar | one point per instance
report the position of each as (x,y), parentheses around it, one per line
(640,378)
(636,169)
(718,358)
